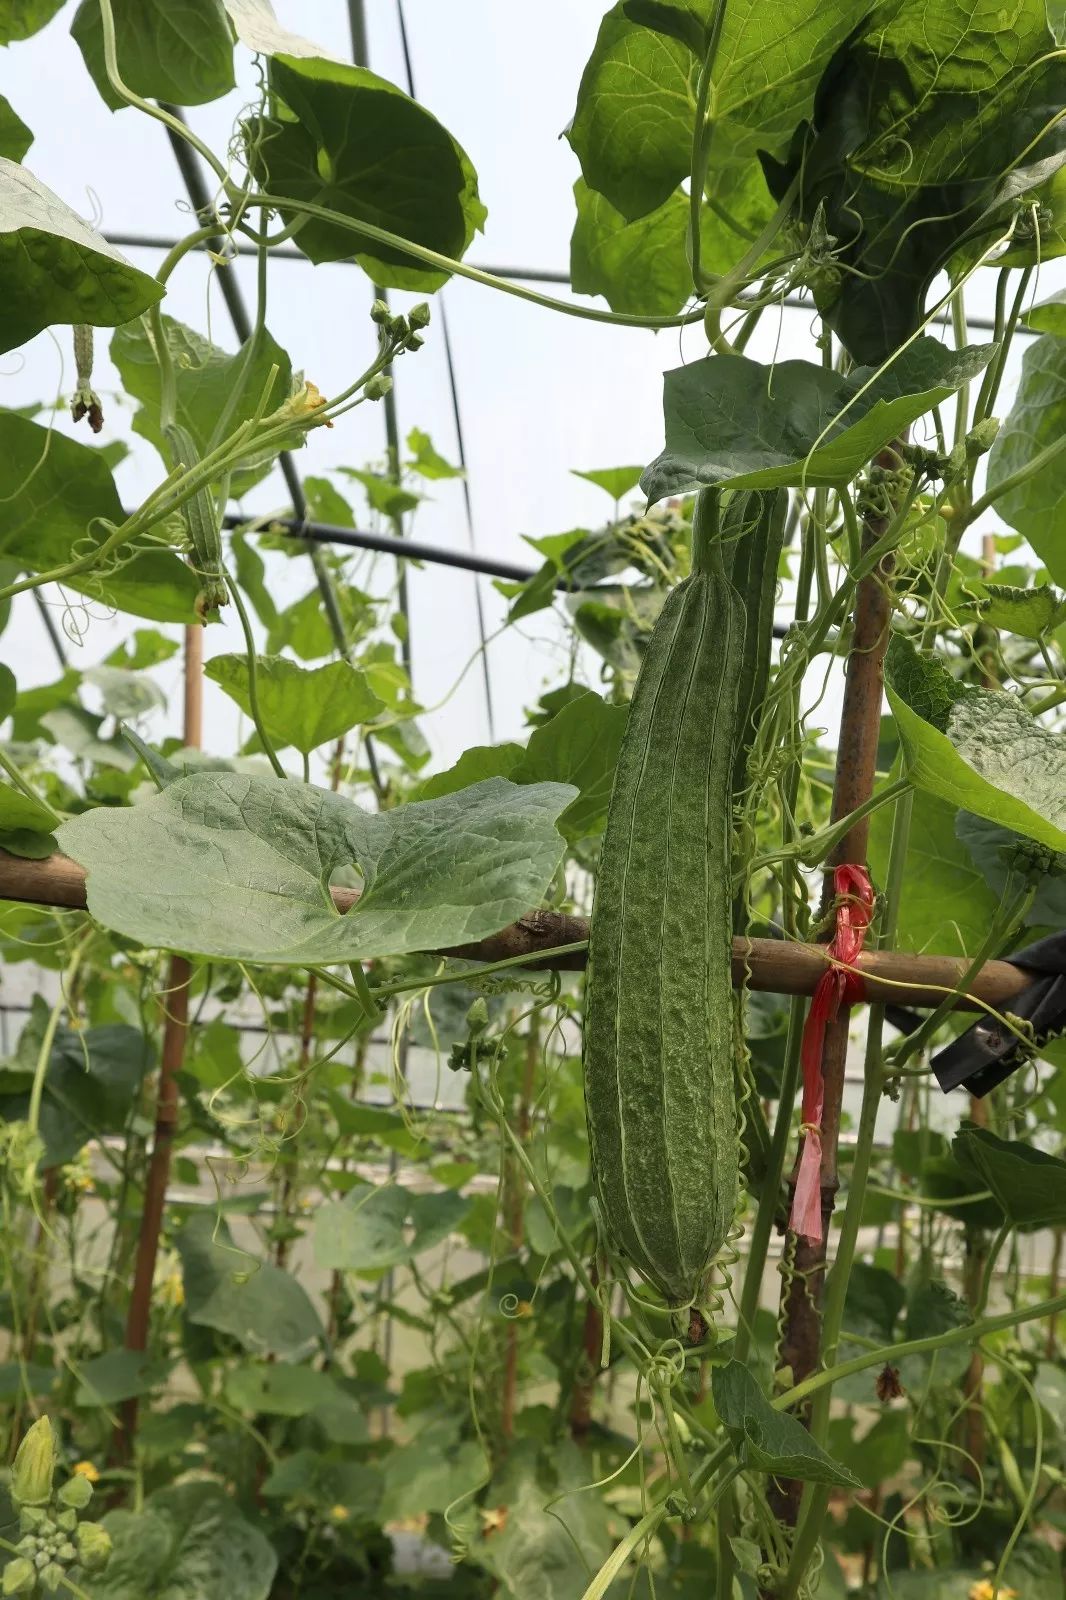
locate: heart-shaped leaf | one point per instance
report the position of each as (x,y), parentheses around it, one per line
(222,864)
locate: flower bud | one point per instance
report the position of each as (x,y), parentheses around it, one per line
(76,1492)
(379,313)
(94,1546)
(378,386)
(20,1577)
(477,1018)
(414,341)
(418,316)
(35,1465)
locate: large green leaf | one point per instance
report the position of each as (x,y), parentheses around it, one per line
(553,1540)
(946,905)
(642,266)
(209,382)
(734,421)
(118,1375)
(227,865)
(280,1389)
(579,745)
(377,1227)
(1030,613)
(978,749)
(431,1472)
(56,494)
(258,29)
(90,1087)
(767,1440)
(15,137)
(188,1543)
(55,268)
(176,50)
(361,147)
(991,847)
(930,124)
(252,1301)
(632,130)
(21,18)
(1037,509)
(1029,1184)
(299,707)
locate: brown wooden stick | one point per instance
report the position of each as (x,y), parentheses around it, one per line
(773,966)
(175,1032)
(853,786)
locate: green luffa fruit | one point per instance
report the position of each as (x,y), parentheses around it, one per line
(658,1051)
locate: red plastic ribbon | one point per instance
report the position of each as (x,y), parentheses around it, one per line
(836,987)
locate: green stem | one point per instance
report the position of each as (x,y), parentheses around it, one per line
(443,263)
(33,1113)
(1015,480)
(25,787)
(173,123)
(702,136)
(969,1333)
(816,846)
(253,686)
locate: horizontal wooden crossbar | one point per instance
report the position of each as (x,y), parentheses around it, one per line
(771,965)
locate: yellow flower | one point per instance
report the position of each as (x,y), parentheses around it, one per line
(172,1290)
(982,1590)
(339,1513)
(86,1469)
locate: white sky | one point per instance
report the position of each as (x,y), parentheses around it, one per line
(540,393)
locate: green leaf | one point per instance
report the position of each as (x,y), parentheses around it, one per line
(946,906)
(209,382)
(579,745)
(1037,509)
(368,1229)
(301,707)
(279,1389)
(18,811)
(90,1088)
(15,137)
(325,503)
(990,848)
(125,694)
(119,1375)
(956,1192)
(229,865)
(1030,613)
(361,147)
(431,1472)
(55,268)
(977,749)
(632,130)
(383,493)
(734,421)
(427,461)
(79,731)
(8,692)
(314,1480)
(24,842)
(144,648)
(55,491)
(1049,316)
(767,1440)
(19,19)
(553,1540)
(925,80)
(1029,1184)
(188,1543)
(165,51)
(614,481)
(481,761)
(252,1301)
(258,29)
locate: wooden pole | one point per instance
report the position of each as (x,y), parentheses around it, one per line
(175,1032)
(772,966)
